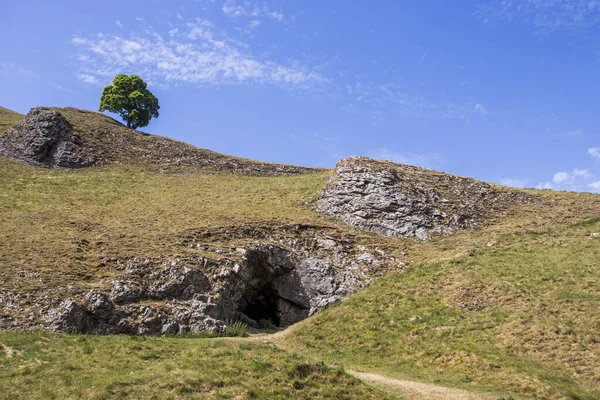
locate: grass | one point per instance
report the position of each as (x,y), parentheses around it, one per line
(509,308)
(8,118)
(519,318)
(60,366)
(65,224)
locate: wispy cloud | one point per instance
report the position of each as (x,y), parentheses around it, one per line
(546,16)
(12,70)
(192,53)
(233,9)
(516,183)
(390,98)
(427,160)
(594,152)
(89,79)
(595,186)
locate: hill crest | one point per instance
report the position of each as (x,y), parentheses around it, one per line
(72,138)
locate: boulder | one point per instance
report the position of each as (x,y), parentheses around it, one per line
(44,138)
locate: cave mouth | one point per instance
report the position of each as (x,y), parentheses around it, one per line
(264,306)
(273,289)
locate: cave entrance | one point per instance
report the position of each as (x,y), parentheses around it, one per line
(264,306)
(272,288)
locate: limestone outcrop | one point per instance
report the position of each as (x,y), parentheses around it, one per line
(280,277)
(45,138)
(400,200)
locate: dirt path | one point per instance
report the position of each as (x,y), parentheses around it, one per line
(418,391)
(409,390)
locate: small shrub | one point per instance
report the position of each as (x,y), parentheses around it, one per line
(299,370)
(322,367)
(236,329)
(466,379)
(267,324)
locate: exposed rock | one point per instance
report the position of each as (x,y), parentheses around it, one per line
(44,138)
(281,279)
(400,200)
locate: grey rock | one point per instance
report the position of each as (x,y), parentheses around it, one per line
(283,284)
(44,138)
(399,200)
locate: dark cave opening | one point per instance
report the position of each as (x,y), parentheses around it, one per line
(263,306)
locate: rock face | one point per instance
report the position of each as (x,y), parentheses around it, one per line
(282,279)
(400,200)
(44,138)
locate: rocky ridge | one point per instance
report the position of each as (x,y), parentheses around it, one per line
(400,200)
(70,138)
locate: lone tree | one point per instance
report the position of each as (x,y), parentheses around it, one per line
(128,97)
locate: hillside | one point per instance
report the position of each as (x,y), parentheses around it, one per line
(8,118)
(460,283)
(73,138)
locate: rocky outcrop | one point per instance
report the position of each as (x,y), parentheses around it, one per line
(281,278)
(46,139)
(400,200)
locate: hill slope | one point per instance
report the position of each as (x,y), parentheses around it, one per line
(8,118)
(73,138)
(505,304)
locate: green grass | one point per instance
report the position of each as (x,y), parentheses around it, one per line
(60,366)
(519,318)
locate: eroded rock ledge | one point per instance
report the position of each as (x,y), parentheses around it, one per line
(282,274)
(400,200)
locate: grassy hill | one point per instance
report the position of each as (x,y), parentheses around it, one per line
(509,308)
(8,118)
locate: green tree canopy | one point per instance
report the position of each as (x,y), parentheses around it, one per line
(128,97)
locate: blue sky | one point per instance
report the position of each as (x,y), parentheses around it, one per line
(506,91)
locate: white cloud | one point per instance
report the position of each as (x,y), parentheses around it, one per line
(254,24)
(89,79)
(560,177)
(193,53)
(594,152)
(277,16)
(118,23)
(595,186)
(429,160)
(234,10)
(584,173)
(546,185)
(546,16)
(517,183)
(575,181)
(481,109)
